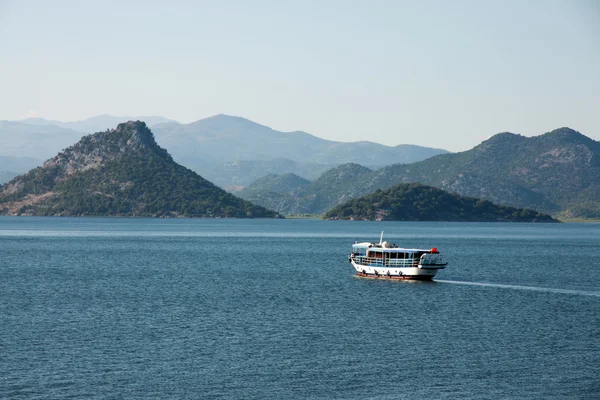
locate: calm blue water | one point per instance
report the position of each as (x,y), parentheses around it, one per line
(148,308)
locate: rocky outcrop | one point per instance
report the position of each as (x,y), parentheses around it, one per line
(120,172)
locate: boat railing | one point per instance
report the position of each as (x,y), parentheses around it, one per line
(387,262)
(426,259)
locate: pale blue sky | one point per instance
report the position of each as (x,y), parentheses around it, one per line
(437,73)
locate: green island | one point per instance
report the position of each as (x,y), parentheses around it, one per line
(416,202)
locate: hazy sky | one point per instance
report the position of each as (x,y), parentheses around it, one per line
(437,73)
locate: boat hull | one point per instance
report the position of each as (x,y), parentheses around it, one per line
(397,277)
(401,273)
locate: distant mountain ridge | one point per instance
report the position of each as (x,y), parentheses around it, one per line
(231,151)
(225,138)
(242,173)
(6,176)
(558,172)
(39,142)
(120,172)
(18,164)
(97,123)
(215,146)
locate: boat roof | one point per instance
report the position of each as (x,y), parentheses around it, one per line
(374,247)
(398,250)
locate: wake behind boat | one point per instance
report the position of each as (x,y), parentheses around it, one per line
(387,261)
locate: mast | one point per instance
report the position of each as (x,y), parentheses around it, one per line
(381,238)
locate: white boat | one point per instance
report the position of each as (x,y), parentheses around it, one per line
(387,261)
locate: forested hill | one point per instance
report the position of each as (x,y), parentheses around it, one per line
(557,172)
(274,183)
(120,172)
(415,202)
(332,187)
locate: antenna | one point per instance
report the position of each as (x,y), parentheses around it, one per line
(381,238)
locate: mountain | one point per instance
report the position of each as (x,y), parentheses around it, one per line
(97,123)
(38,142)
(557,172)
(233,174)
(227,138)
(331,188)
(274,183)
(222,138)
(416,202)
(121,172)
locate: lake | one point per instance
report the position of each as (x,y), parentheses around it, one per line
(251,309)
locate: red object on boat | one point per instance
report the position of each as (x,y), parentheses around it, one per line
(434,250)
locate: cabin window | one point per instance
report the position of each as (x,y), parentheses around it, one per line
(358,250)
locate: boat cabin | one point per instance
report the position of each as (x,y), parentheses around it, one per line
(388,251)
